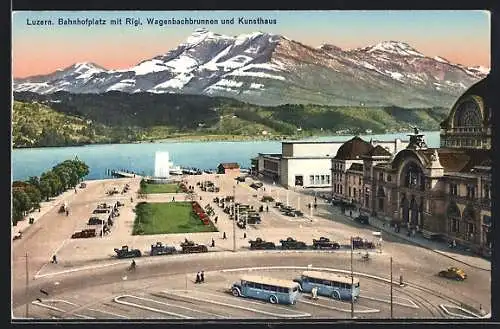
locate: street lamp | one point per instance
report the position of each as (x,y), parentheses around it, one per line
(234,218)
(352,280)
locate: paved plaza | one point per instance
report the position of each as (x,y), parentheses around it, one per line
(418,261)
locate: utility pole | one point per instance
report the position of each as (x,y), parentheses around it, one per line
(234,218)
(27,287)
(352,282)
(391,290)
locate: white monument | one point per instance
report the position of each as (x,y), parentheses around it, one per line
(162,165)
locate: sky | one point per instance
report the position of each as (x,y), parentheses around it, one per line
(459,36)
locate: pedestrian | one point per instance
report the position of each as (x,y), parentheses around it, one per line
(350,213)
(202,276)
(401,283)
(224,237)
(173,199)
(54,259)
(314,293)
(315,205)
(197,278)
(213,242)
(315,200)
(200,197)
(267,208)
(244,235)
(215,219)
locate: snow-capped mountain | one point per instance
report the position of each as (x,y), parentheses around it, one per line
(270,69)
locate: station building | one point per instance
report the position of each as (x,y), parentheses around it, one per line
(437,192)
(307,164)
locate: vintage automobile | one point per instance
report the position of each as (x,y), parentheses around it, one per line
(125,252)
(360,243)
(291,243)
(96,221)
(191,247)
(325,243)
(261,244)
(362,219)
(240,178)
(256,185)
(161,249)
(453,273)
(83,234)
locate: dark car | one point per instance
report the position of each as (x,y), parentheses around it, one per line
(362,219)
(325,243)
(291,243)
(256,185)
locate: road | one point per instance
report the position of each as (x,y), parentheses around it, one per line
(50,234)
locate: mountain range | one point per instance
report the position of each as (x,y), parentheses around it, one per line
(269,69)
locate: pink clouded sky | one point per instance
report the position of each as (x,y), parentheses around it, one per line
(459,36)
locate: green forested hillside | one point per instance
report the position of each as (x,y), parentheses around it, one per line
(73,119)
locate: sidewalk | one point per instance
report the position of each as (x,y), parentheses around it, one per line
(440,248)
(45,207)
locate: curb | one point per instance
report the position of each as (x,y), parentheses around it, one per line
(429,248)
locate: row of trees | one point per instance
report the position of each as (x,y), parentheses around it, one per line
(27,195)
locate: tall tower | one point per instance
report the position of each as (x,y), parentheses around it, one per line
(162,165)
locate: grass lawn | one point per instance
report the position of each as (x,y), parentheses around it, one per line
(161,188)
(171,217)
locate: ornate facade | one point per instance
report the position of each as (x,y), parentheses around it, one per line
(444,191)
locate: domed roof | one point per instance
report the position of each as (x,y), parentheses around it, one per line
(480,88)
(353,149)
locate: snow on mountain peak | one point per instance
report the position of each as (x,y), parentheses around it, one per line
(394,47)
(202,34)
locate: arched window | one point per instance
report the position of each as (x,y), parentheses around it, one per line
(468,114)
(412,175)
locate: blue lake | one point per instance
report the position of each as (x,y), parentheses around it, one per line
(140,157)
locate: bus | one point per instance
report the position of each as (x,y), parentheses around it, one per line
(276,291)
(329,284)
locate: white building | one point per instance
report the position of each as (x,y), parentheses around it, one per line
(307,163)
(162,165)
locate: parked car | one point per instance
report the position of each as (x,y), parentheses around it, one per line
(453,273)
(362,219)
(325,243)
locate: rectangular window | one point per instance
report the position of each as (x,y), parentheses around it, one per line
(317,179)
(328,179)
(323,179)
(355,193)
(381,204)
(349,191)
(311,179)
(359,181)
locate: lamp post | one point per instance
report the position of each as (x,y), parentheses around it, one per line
(391,290)
(234,218)
(27,287)
(352,281)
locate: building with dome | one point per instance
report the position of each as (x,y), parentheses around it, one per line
(307,164)
(437,192)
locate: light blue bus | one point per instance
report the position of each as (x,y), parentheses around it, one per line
(329,284)
(276,291)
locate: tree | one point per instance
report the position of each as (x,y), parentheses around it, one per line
(34,194)
(34,180)
(45,189)
(23,201)
(54,181)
